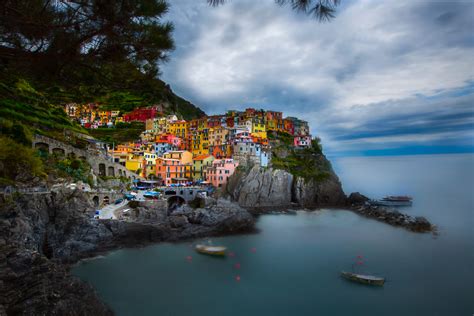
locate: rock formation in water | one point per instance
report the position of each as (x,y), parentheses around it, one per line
(266,188)
(359,204)
(39,233)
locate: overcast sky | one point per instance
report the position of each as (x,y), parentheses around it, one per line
(383,77)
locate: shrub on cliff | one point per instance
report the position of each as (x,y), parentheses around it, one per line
(18,162)
(308,163)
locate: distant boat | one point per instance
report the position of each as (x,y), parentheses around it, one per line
(394,200)
(364,279)
(211,250)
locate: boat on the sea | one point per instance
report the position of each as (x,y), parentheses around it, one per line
(211,250)
(364,279)
(394,200)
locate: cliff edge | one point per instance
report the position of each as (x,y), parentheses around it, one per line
(260,188)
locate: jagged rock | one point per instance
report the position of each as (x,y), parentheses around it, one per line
(177,221)
(273,188)
(356,198)
(394,217)
(33,285)
(315,194)
(263,188)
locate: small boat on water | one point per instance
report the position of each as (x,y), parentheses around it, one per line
(211,250)
(394,200)
(364,279)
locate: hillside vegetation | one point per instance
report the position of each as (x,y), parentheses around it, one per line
(308,163)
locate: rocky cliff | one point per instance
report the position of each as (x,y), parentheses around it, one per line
(264,188)
(40,233)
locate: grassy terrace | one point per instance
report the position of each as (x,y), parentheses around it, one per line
(24,111)
(122,133)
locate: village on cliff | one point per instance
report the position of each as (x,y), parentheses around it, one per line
(206,150)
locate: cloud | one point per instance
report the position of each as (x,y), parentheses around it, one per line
(380,68)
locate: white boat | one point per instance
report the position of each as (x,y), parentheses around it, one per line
(211,250)
(394,200)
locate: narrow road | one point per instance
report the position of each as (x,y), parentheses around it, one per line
(108,212)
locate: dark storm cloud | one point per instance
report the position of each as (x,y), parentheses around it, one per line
(399,72)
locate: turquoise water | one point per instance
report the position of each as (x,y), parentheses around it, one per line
(292,266)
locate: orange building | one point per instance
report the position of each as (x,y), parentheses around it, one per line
(174,167)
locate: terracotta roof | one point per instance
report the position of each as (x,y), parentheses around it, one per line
(201,157)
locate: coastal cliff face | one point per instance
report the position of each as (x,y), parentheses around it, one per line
(41,234)
(261,188)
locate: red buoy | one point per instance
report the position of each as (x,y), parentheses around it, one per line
(237,278)
(237,265)
(189,258)
(253,249)
(231,254)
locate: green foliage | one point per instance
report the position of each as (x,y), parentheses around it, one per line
(124,132)
(284,138)
(18,162)
(77,169)
(308,163)
(24,111)
(84,34)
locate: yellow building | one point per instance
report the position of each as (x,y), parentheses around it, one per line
(200,142)
(218,135)
(184,156)
(179,128)
(150,158)
(135,163)
(149,124)
(258,129)
(271,125)
(200,164)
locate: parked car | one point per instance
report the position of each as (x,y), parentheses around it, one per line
(118,201)
(130,197)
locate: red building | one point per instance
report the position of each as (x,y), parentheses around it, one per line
(141,114)
(288,126)
(214,121)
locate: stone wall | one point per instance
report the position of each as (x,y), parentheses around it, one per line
(101,165)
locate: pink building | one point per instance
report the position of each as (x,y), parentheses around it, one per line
(303,141)
(220,171)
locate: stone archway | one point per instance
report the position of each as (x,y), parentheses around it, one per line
(175,201)
(106,200)
(111,171)
(59,151)
(102,170)
(95,200)
(44,147)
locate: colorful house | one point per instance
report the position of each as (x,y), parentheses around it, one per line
(302,141)
(200,165)
(178,128)
(135,163)
(140,114)
(174,167)
(220,171)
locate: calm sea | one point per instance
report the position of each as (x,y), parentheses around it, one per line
(292,266)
